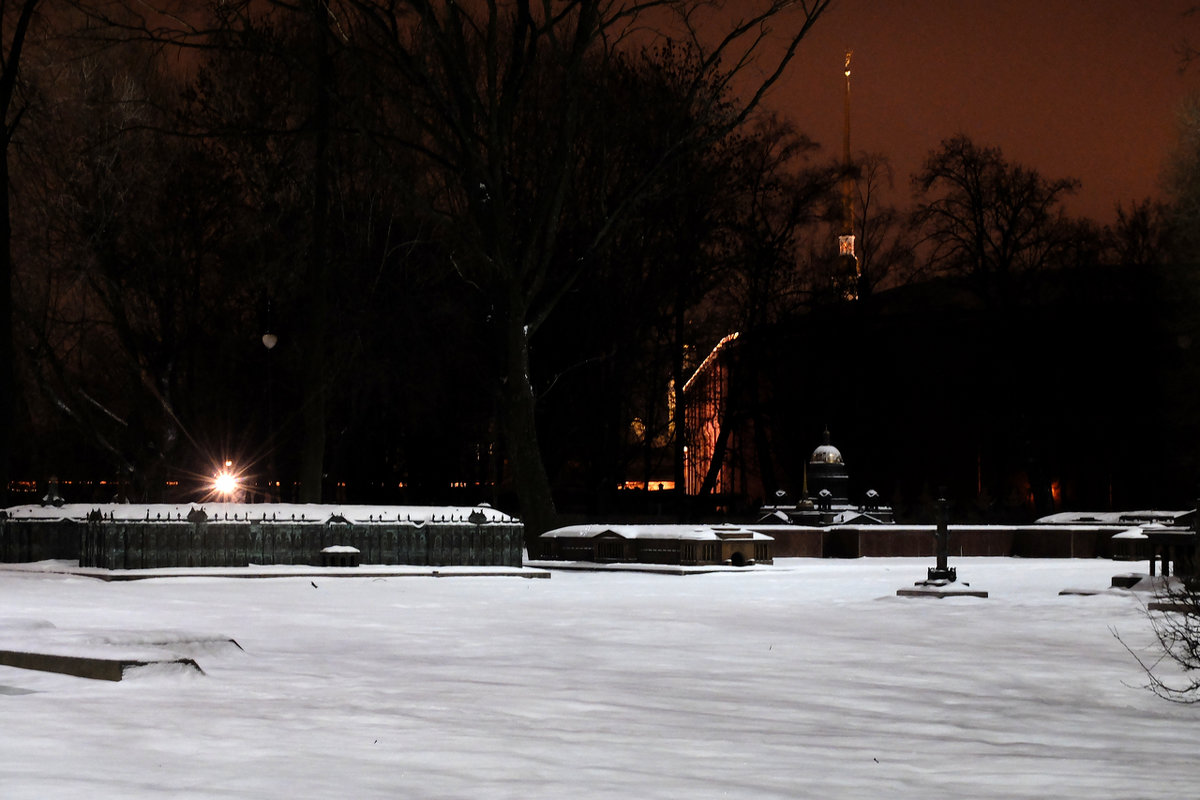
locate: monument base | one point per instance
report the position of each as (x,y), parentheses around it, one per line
(941,587)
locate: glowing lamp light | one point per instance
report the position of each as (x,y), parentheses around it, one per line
(226,482)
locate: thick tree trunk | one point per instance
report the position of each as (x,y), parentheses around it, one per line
(679,417)
(316,379)
(8,389)
(312,455)
(762,449)
(8,378)
(518,420)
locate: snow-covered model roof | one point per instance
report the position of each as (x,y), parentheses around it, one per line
(1111,517)
(1132,533)
(855,517)
(685,532)
(843,514)
(271,512)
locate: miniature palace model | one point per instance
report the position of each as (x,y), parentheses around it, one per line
(129,536)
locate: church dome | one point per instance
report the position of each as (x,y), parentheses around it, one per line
(826,453)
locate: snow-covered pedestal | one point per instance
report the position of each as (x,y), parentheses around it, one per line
(941,588)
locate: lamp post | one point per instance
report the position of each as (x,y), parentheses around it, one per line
(269,341)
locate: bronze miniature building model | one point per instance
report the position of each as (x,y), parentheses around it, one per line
(684,545)
(125,536)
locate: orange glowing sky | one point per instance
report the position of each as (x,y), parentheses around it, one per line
(1073,88)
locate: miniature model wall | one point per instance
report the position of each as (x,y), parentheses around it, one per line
(39,539)
(875,541)
(233,535)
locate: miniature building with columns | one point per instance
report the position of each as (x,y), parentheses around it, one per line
(683,545)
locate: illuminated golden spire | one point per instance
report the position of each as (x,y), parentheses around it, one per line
(847,181)
(849,278)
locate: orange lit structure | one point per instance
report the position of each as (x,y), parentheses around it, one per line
(728,456)
(706,395)
(845,280)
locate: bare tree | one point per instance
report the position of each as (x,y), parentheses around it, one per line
(484,81)
(132,290)
(1174,672)
(780,196)
(1181,179)
(1141,235)
(484,105)
(987,219)
(885,248)
(267,91)
(16,21)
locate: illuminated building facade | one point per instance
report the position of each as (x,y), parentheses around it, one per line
(728,449)
(706,395)
(729,455)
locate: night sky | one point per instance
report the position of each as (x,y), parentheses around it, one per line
(1073,88)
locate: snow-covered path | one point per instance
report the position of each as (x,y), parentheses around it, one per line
(811,679)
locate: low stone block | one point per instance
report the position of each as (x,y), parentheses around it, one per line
(102,669)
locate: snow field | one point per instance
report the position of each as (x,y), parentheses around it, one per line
(809,679)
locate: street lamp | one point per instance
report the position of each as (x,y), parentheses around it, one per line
(226,482)
(269,341)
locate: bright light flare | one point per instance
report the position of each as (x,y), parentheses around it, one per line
(226,483)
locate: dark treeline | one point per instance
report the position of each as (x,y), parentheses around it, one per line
(1078,399)
(434,252)
(445,215)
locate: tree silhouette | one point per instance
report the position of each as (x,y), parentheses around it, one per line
(16,19)
(497,93)
(885,249)
(135,290)
(987,219)
(486,128)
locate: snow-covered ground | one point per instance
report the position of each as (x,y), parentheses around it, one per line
(809,679)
